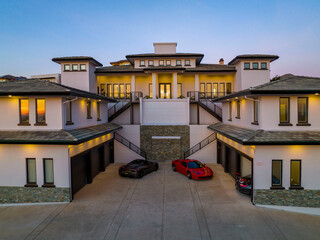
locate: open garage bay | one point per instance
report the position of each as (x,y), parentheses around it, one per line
(162,205)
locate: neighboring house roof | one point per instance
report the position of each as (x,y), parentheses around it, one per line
(74,136)
(120,62)
(198,68)
(253,57)
(38,87)
(10,77)
(246,136)
(198,56)
(288,84)
(78,59)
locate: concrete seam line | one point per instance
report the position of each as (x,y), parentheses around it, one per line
(195,209)
(163,202)
(122,207)
(45,222)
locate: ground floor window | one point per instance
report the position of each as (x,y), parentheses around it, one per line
(295,173)
(276,173)
(48,171)
(31,172)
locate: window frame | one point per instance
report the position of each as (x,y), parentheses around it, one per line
(85,67)
(142,63)
(253,65)
(277,186)
(303,123)
(89,109)
(161,62)
(98,111)
(64,68)
(45,183)
(295,186)
(20,116)
(73,69)
(168,62)
(69,122)
(238,109)
(246,63)
(41,123)
(187,62)
(284,123)
(230,111)
(178,64)
(255,116)
(266,66)
(151,63)
(31,184)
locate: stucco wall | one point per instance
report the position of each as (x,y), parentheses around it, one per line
(164,111)
(11,118)
(123,154)
(13,163)
(310,165)
(131,132)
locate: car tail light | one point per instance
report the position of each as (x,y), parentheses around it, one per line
(243,185)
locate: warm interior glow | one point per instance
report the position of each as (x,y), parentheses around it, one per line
(41,110)
(24,110)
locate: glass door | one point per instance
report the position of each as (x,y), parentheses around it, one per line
(165,90)
(202,90)
(209,90)
(122,90)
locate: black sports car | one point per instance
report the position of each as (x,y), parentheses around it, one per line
(244,184)
(138,168)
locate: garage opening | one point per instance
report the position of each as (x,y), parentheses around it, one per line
(86,165)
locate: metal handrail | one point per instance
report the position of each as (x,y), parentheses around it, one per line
(122,102)
(130,145)
(133,96)
(197,95)
(213,107)
(200,145)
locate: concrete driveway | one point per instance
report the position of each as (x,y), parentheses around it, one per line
(162,205)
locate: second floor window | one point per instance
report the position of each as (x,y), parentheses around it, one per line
(74,67)
(255,65)
(150,90)
(161,62)
(89,110)
(284,110)
(69,112)
(98,111)
(66,67)
(82,67)
(40,111)
(150,63)
(246,65)
(255,111)
(24,111)
(178,62)
(230,111)
(228,88)
(179,90)
(302,110)
(142,63)
(103,89)
(168,62)
(187,62)
(238,109)
(263,65)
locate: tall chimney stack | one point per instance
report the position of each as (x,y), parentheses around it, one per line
(221,61)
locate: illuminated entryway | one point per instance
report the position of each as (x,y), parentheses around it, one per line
(165,90)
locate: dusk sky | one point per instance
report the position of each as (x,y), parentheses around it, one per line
(33,32)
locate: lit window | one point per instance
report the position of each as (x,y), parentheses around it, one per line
(187,62)
(31,172)
(40,111)
(238,109)
(67,67)
(69,112)
(128,90)
(228,88)
(98,112)
(89,110)
(161,63)
(284,110)
(74,67)
(122,92)
(115,90)
(222,89)
(276,173)
(24,111)
(179,90)
(168,62)
(109,90)
(255,65)
(142,63)
(103,89)
(150,63)
(246,65)
(302,110)
(263,65)
(295,173)
(150,90)
(82,67)
(48,171)
(215,90)
(178,62)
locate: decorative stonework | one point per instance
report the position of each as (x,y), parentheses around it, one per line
(33,195)
(297,198)
(165,149)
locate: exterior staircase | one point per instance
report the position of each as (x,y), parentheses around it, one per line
(130,145)
(211,108)
(200,145)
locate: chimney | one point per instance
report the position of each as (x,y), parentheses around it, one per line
(221,61)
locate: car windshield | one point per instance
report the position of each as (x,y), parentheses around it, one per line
(195,165)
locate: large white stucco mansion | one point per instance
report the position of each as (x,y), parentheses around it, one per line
(57,135)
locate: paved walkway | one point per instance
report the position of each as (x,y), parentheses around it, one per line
(162,205)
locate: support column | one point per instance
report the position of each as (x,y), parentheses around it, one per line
(154,85)
(175,88)
(133,83)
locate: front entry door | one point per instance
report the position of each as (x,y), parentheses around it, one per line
(165,90)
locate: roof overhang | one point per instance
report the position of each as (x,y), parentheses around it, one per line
(197,56)
(77,59)
(253,57)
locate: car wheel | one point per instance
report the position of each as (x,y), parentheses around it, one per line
(140,174)
(174,167)
(157,167)
(189,175)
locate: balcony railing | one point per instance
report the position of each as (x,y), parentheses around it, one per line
(196,95)
(132,96)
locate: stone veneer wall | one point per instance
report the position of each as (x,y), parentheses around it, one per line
(297,198)
(33,194)
(164,149)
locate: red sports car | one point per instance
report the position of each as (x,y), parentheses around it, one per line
(193,169)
